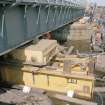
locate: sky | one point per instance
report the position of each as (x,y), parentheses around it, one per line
(99,2)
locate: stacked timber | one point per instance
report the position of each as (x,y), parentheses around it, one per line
(48,78)
(100,63)
(35,54)
(80,35)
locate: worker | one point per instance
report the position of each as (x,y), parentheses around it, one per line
(47,35)
(96,41)
(91,14)
(100,20)
(103,32)
(102,28)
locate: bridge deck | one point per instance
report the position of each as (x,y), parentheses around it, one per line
(23,20)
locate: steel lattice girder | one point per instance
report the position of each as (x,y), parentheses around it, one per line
(21,20)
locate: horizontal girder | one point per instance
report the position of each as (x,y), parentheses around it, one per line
(48,2)
(23,20)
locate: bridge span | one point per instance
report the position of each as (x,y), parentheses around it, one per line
(23,20)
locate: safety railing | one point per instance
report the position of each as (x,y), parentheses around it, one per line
(49,2)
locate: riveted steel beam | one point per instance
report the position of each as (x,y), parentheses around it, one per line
(23,20)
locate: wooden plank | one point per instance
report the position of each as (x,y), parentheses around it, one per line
(99,89)
(66,75)
(33,90)
(72,100)
(70,50)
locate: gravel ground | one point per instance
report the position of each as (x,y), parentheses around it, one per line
(17,97)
